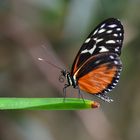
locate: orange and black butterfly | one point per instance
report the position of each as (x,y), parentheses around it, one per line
(96,68)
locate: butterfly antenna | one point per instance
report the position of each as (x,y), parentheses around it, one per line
(41,59)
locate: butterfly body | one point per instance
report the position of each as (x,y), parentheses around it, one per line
(70,80)
(96,68)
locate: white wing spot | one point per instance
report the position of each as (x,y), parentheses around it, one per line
(112,25)
(95,39)
(87,40)
(95,31)
(105,91)
(89,51)
(97,62)
(92,50)
(116,62)
(118,29)
(114,84)
(103,49)
(112,57)
(109,89)
(118,76)
(115,35)
(99,40)
(109,31)
(85,51)
(110,41)
(101,31)
(120,34)
(103,25)
(116,49)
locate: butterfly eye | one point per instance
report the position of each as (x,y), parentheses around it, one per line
(61,78)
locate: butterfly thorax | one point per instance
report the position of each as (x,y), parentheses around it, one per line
(69,78)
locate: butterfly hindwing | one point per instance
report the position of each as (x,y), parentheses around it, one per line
(99,74)
(106,37)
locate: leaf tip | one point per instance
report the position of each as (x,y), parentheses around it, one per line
(95,104)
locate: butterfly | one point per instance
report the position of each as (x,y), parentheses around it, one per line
(97,66)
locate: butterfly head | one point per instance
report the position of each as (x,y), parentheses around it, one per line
(70,80)
(63,75)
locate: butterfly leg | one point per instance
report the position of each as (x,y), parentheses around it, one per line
(80,94)
(64,91)
(104,97)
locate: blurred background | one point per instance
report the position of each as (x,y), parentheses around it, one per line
(55,30)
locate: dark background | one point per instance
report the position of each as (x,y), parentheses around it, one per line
(61,26)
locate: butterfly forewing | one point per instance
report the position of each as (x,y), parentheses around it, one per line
(106,37)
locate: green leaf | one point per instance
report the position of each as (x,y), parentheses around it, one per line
(46,104)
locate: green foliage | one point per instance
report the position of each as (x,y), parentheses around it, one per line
(46,104)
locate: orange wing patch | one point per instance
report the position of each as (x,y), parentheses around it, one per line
(97,80)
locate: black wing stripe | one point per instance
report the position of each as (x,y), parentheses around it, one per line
(94,62)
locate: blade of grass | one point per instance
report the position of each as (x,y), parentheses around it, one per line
(46,104)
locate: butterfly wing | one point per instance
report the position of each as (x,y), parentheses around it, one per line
(99,74)
(97,65)
(106,37)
